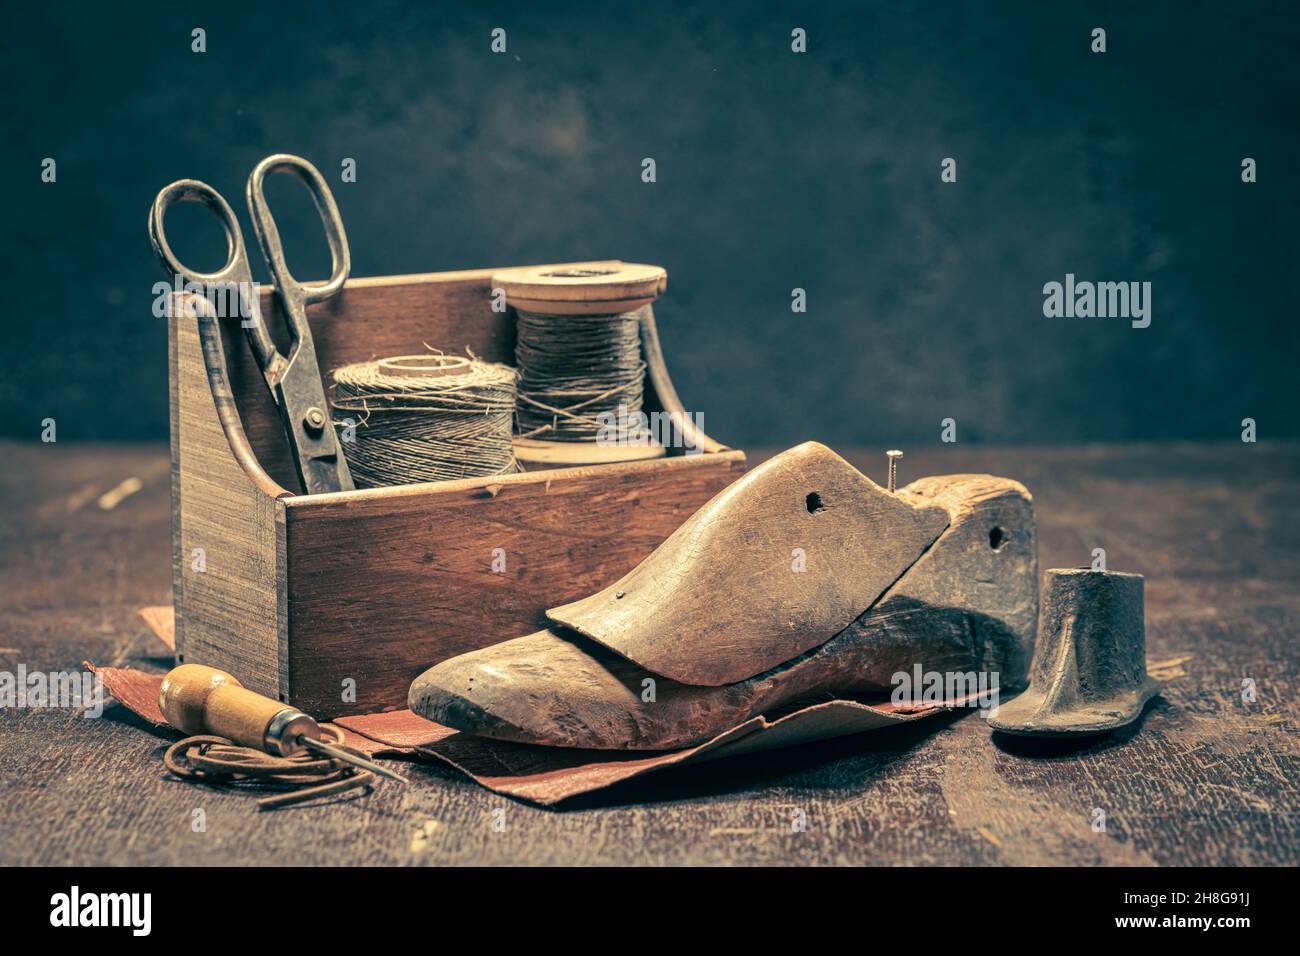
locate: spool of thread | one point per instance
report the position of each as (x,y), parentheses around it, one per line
(430,417)
(574,368)
(578,351)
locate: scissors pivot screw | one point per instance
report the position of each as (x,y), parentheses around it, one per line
(314,420)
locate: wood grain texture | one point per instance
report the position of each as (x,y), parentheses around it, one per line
(372,569)
(385,583)
(1202,778)
(228,554)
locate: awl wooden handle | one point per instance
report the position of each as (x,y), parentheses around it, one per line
(197,699)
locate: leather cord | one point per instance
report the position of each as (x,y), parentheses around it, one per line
(206,758)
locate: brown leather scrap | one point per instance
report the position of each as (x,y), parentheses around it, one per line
(549,775)
(161,619)
(135,690)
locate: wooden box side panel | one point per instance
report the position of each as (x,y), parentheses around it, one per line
(383,585)
(227,533)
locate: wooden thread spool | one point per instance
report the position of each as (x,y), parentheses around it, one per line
(581,294)
(582,288)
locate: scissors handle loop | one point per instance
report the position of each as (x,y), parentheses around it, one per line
(268,236)
(192,190)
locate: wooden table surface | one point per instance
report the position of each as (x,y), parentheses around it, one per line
(1205,778)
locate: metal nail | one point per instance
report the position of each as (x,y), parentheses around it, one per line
(893,455)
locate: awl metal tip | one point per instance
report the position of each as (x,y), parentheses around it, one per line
(331,751)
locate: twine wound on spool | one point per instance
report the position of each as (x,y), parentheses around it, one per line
(574,371)
(578,349)
(429,417)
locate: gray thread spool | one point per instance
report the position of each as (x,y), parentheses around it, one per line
(426,417)
(578,351)
(574,368)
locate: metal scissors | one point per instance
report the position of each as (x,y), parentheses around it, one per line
(294,380)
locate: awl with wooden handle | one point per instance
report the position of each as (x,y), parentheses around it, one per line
(197,699)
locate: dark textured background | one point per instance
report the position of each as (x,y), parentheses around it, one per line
(775,170)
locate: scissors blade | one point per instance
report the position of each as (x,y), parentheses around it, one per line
(317,453)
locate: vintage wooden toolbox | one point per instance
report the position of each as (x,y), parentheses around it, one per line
(335,602)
